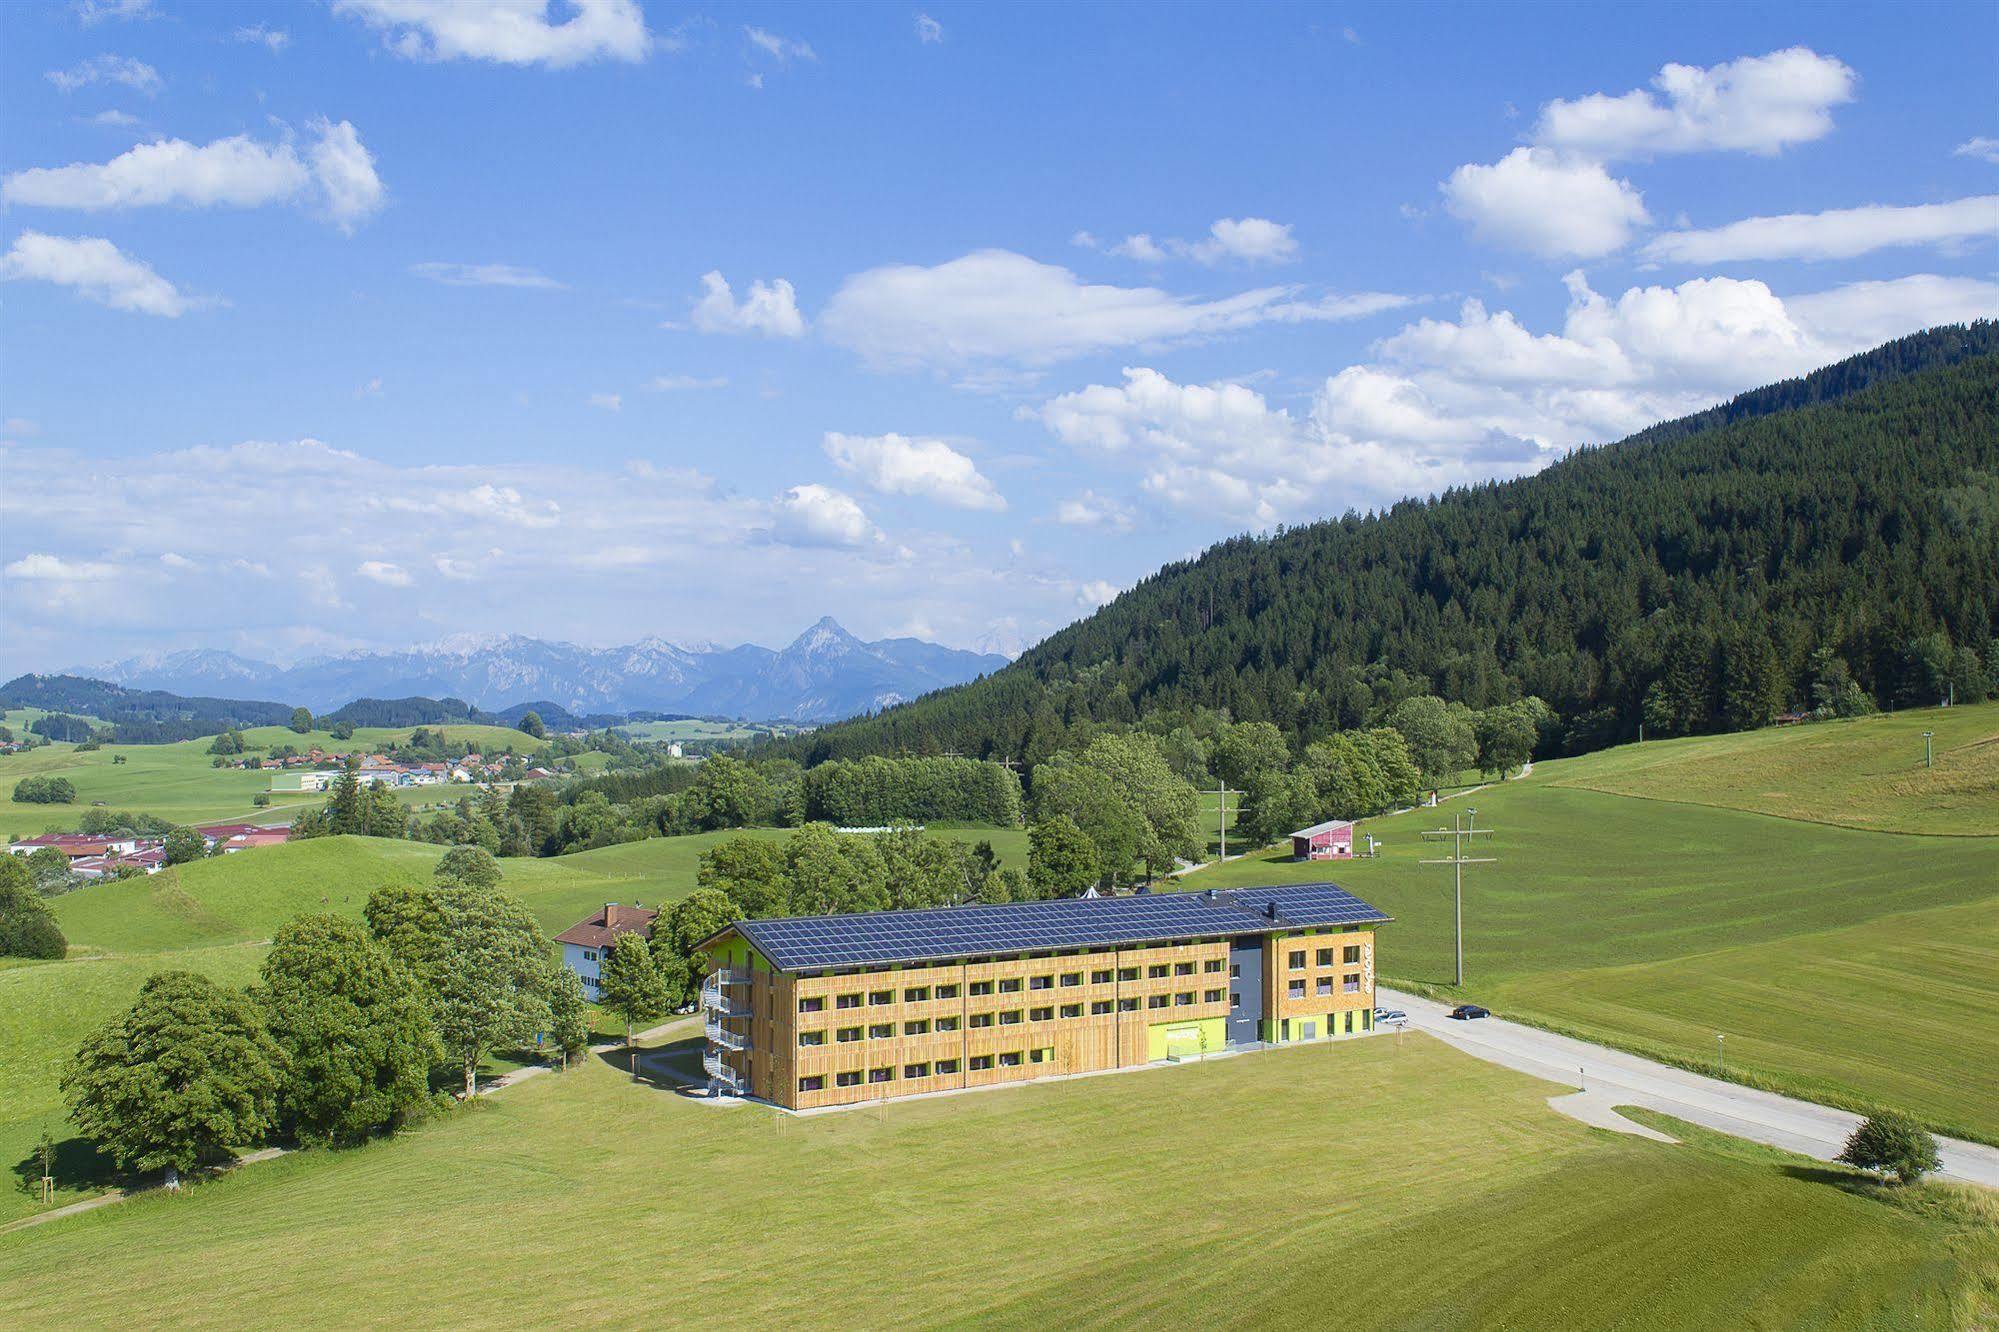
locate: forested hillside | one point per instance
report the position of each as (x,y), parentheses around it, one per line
(1827,541)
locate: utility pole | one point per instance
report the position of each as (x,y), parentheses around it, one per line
(1222,822)
(1458,832)
(1929,752)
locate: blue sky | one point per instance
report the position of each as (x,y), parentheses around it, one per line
(363,324)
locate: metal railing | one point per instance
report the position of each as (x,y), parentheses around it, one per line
(720,1073)
(715,991)
(720,1034)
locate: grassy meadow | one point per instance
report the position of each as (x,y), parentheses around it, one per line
(1453,1197)
(1843,965)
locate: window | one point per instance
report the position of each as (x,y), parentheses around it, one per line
(916,1070)
(1100,977)
(1324,958)
(811,1038)
(981,987)
(1184,998)
(1296,961)
(1072,978)
(1212,964)
(920,1027)
(817,1005)
(1349,1022)
(1011,985)
(852,1079)
(946,1066)
(880,1031)
(916,994)
(1010,1059)
(1156,970)
(979,1062)
(1040,982)
(1350,954)
(947,1024)
(1045,1055)
(1350,983)
(1072,1010)
(1211,996)
(1235,971)
(847,1001)
(1127,973)
(1235,1001)
(1040,1015)
(980,1020)
(881,1075)
(589,955)
(1323,986)
(1183,968)
(876,998)
(812,1084)
(1127,1005)
(1367,1019)
(1099,1007)
(1296,990)
(845,1034)
(947,992)
(1157,1000)
(1010,1018)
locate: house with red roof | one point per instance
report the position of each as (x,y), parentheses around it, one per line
(586,943)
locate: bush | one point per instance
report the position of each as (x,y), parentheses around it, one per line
(183,845)
(45,791)
(1892,1144)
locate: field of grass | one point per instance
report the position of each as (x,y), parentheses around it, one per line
(1867,773)
(701,728)
(1842,964)
(1401,1183)
(181,783)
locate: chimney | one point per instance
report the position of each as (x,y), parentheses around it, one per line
(1270,910)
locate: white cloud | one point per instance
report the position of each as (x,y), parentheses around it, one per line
(273,39)
(92,12)
(815,515)
(113,119)
(236,172)
(1840,233)
(1090,509)
(96,268)
(928,30)
(1982,148)
(509,32)
(41,568)
(997,305)
(485,275)
(1096,593)
(898,465)
(1249,240)
(176,561)
(134,74)
(1758,104)
(609,402)
(1541,200)
(685,383)
(371,389)
(782,49)
(1866,314)
(385,573)
(770,309)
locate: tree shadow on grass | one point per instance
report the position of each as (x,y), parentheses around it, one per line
(673,1067)
(78,1168)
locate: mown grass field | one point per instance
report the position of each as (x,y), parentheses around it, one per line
(1848,966)
(181,783)
(216,917)
(1402,1184)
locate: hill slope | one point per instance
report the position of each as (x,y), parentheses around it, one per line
(1855,509)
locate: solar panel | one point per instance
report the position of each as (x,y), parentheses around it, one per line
(937,933)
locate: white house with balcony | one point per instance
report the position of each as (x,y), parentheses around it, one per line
(586,945)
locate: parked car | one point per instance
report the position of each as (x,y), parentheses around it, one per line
(1466,1012)
(1382,1015)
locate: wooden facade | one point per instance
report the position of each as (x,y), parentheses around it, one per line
(847,1036)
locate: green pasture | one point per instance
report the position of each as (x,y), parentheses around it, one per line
(1399,1182)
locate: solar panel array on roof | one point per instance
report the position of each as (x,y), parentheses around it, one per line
(800,943)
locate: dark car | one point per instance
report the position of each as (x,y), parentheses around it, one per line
(1466,1012)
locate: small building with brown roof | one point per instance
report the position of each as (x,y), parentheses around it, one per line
(586,944)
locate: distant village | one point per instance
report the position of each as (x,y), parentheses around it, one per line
(93,856)
(317,769)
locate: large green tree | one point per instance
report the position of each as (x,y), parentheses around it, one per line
(1440,736)
(1061,860)
(27,927)
(630,985)
(183,845)
(471,865)
(301,720)
(352,1025)
(750,872)
(1125,798)
(185,1074)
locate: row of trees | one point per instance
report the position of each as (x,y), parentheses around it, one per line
(876,791)
(339,1037)
(45,791)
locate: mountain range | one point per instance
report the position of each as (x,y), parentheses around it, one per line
(824,674)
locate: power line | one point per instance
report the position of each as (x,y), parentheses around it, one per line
(1458,832)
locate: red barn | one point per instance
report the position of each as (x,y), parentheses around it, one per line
(1332,840)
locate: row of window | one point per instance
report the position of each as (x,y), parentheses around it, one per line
(1349,956)
(941,1068)
(1349,984)
(917,994)
(881,1031)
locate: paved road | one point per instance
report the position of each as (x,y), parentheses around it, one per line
(1611,1077)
